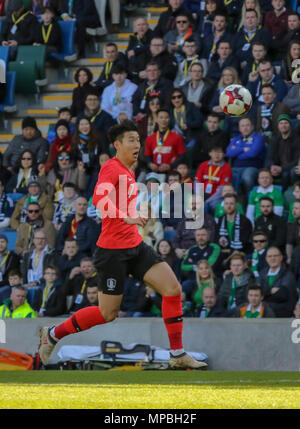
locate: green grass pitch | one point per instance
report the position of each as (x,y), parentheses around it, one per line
(149,390)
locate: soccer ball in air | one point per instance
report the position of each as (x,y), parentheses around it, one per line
(235,100)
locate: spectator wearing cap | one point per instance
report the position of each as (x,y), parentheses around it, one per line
(62,142)
(284,153)
(48,32)
(117,98)
(31,138)
(35,195)
(9,260)
(18,28)
(84,78)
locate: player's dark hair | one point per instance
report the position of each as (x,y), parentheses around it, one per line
(267,199)
(117,131)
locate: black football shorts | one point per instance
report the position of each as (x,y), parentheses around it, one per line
(114,265)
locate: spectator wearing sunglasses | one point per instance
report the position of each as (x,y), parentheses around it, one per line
(64,170)
(260,244)
(35,195)
(26,231)
(61,142)
(24,171)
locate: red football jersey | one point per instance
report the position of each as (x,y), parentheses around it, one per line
(115,196)
(168,152)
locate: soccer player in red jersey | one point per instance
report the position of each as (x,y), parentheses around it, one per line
(121,251)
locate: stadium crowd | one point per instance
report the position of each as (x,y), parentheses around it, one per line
(244,261)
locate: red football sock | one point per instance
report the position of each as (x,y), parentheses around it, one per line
(172,315)
(82,320)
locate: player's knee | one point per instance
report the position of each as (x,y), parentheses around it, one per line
(173,288)
(109,314)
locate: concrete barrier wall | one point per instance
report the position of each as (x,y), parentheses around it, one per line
(231,344)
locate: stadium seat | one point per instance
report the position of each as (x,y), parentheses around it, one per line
(4,53)
(31,292)
(26,76)
(99,31)
(9,102)
(37,54)
(11,237)
(169,235)
(15,196)
(67,53)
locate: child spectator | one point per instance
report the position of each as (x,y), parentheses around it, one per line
(62,142)
(184,171)
(8,261)
(49,299)
(63,113)
(215,172)
(64,207)
(14,279)
(48,32)
(69,259)
(255,308)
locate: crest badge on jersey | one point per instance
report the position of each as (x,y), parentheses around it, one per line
(111,284)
